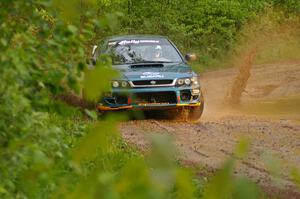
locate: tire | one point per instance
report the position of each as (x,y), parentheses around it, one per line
(195,113)
(192,113)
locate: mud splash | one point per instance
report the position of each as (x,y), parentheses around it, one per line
(241,79)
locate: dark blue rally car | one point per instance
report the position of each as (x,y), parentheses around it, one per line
(155,75)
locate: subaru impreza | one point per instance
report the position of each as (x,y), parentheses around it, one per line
(154,76)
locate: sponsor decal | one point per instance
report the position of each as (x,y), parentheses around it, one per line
(112,43)
(151,75)
(133,41)
(153,103)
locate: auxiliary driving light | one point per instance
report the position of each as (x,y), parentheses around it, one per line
(195,80)
(187,81)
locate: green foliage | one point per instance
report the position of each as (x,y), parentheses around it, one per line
(118,172)
(40,57)
(93,85)
(208,28)
(290,6)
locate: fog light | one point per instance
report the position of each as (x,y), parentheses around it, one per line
(185,95)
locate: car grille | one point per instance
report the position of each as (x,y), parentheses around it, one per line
(157,97)
(152,82)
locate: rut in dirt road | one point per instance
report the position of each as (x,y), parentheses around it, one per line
(211,142)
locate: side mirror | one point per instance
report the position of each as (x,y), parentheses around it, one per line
(191,57)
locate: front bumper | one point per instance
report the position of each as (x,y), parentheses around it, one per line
(163,98)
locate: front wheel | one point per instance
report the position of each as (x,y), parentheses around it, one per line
(196,112)
(193,113)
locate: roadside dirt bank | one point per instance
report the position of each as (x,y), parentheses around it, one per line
(269,116)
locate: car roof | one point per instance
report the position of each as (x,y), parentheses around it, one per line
(126,37)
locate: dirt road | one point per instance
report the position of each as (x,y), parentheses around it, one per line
(269,117)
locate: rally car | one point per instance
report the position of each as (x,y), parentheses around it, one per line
(155,75)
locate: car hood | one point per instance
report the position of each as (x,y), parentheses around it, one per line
(147,71)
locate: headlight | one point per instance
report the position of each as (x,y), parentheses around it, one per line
(188,81)
(115,84)
(184,81)
(124,84)
(180,82)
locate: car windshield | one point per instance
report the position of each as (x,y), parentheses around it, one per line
(142,51)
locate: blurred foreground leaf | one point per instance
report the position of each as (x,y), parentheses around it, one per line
(221,185)
(242,148)
(100,139)
(246,189)
(184,184)
(295,174)
(97,80)
(92,114)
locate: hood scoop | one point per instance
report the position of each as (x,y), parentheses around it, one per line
(146,66)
